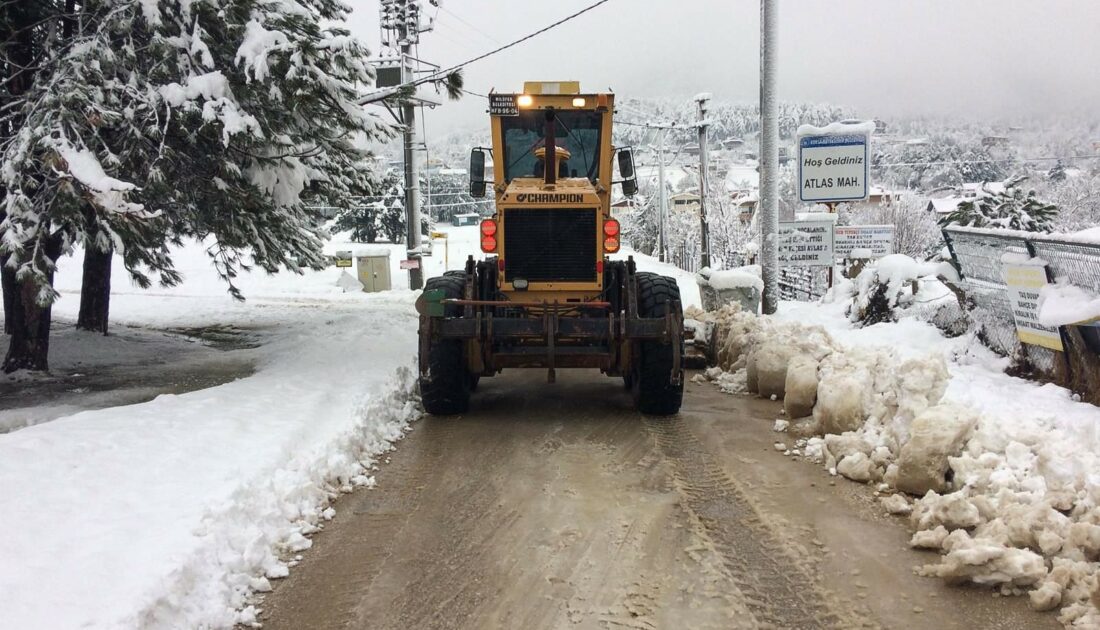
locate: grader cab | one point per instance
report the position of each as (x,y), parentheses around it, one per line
(547,293)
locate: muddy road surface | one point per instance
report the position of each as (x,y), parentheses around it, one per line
(558,506)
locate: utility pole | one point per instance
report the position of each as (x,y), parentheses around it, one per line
(661,209)
(411,26)
(400,23)
(769,157)
(704,257)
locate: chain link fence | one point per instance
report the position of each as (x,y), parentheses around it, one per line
(978,255)
(805,284)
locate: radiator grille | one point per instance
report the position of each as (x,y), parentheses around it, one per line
(544,245)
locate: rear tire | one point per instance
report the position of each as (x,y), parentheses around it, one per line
(653,388)
(445,389)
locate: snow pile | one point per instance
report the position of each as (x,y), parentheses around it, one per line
(725,279)
(891,282)
(1006,481)
(170,513)
(1061,304)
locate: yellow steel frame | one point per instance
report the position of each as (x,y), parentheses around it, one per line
(560,291)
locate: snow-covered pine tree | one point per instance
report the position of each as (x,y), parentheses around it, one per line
(29,32)
(1010,209)
(363,218)
(1057,173)
(450,195)
(178,119)
(641,226)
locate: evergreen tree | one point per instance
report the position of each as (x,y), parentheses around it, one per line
(451,196)
(1011,209)
(159,121)
(363,218)
(29,33)
(1057,173)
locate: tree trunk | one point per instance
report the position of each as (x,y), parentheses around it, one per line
(7,286)
(29,346)
(95,291)
(7,283)
(95,287)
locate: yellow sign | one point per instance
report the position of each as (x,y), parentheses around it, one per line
(439,235)
(1024,283)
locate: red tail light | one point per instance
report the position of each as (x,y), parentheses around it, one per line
(488,236)
(611,232)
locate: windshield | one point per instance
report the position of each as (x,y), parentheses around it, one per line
(577,131)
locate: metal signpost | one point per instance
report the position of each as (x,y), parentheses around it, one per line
(446,249)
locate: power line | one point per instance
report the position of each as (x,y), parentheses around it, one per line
(387,92)
(459,18)
(522,39)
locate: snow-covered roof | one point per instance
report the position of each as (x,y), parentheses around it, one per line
(742,176)
(987,187)
(946,205)
(371,251)
(685,195)
(746,200)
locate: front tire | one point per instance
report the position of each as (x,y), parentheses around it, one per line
(655,390)
(445,390)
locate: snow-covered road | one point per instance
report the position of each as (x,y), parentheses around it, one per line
(559,506)
(164,514)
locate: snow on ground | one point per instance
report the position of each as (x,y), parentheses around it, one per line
(166,513)
(169,513)
(1005,469)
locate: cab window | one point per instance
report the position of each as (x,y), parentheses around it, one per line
(577,131)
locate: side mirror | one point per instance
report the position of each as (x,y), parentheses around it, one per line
(626,170)
(477,173)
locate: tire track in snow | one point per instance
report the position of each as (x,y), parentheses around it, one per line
(779,590)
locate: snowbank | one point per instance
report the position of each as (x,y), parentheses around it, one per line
(171,512)
(1061,304)
(737,278)
(1004,470)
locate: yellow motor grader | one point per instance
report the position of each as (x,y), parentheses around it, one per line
(547,293)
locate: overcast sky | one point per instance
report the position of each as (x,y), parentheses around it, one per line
(973,58)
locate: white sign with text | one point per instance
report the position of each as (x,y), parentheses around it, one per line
(833,167)
(877,240)
(1024,283)
(806,244)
